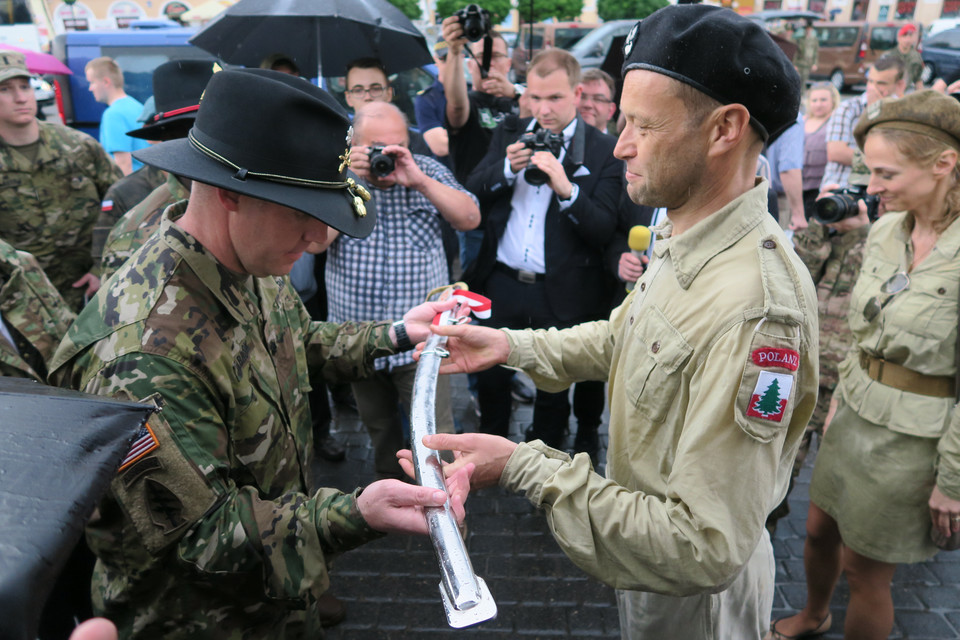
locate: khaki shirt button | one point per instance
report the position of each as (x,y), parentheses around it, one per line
(941,291)
(643,285)
(631,319)
(769,244)
(655,347)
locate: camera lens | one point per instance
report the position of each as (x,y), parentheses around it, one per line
(381,165)
(535,177)
(835,208)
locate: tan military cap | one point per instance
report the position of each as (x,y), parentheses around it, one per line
(928,113)
(12,65)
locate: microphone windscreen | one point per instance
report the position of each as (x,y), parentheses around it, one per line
(639,239)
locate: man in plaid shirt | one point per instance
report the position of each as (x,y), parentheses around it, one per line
(396,265)
(884,79)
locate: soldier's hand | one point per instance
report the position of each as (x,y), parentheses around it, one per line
(95,629)
(488,453)
(417,321)
(471,347)
(393,506)
(90,281)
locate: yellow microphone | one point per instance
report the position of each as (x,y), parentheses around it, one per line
(639,242)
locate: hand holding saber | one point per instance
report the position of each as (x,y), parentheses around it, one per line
(466,598)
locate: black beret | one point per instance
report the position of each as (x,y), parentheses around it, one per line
(927,112)
(724,55)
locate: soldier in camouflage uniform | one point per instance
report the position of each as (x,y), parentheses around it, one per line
(138,224)
(912,60)
(177,87)
(52,180)
(833,254)
(211,528)
(33,317)
(808,51)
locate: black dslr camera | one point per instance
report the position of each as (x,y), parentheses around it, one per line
(842,204)
(540,140)
(381,164)
(475,22)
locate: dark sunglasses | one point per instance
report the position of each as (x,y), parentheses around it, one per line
(898,282)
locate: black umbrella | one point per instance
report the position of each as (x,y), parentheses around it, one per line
(317,34)
(59,450)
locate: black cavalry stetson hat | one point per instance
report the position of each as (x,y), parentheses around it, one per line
(276,137)
(177,87)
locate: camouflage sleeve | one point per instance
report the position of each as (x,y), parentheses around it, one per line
(191,503)
(344,352)
(813,247)
(105,171)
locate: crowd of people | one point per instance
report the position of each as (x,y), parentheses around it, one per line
(275,244)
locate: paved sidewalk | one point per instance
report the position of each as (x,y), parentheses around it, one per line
(391,586)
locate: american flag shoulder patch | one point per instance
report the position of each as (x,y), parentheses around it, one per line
(145,442)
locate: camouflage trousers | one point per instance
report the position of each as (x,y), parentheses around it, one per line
(815,426)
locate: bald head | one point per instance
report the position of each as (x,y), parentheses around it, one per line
(380,123)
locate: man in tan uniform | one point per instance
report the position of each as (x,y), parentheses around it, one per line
(711,360)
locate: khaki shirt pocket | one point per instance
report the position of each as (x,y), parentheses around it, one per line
(656,358)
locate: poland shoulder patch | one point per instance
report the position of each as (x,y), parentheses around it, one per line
(769,398)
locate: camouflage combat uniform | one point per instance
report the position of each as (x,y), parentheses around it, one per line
(48,207)
(210,529)
(808,50)
(32,311)
(912,66)
(123,196)
(132,230)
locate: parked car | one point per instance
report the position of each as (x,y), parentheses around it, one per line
(593,48)
(941,25)
(545,34)
(848,48)
(941,56)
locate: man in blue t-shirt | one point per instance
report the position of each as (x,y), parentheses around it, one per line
(106,85)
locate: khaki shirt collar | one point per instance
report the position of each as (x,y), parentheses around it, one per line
(947,245)
(693,249)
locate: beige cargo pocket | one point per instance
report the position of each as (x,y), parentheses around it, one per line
(659,352)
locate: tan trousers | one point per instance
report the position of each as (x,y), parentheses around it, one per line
(740,612)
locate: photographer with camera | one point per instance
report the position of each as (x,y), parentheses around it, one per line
(886,475)
(549,187)
(472,116)
(399,262)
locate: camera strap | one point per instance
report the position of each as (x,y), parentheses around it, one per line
(487,54)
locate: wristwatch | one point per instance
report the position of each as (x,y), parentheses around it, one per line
(403,340)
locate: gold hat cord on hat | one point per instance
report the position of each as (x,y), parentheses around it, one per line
(357,191)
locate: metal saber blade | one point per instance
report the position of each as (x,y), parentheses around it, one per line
(466,598)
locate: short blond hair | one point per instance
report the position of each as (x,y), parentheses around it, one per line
(104,67)
(550,60)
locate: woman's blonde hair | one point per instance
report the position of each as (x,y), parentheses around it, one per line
(834,94)
(924,151)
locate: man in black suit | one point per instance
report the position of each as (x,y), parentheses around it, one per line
(541,262)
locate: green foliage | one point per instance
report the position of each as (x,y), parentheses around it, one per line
(410,8)
(627,9)
(544,9)
(499,9)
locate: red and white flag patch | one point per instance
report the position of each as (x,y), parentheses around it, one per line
(773,357)
(769,398)
(144,443)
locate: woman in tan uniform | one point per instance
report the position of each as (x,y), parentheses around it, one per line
(878,482)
